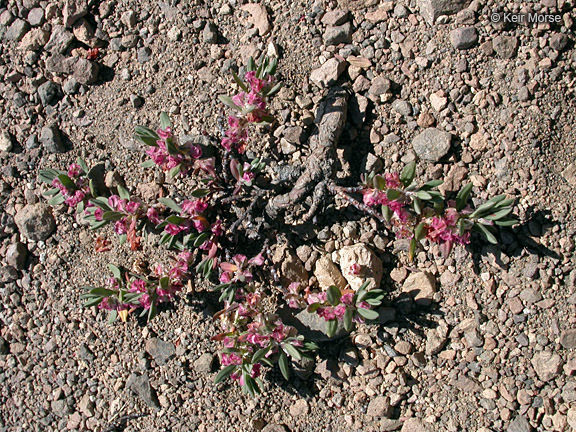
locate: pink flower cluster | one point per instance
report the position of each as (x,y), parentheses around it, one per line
(167,160)
(444,229)
(130,209)
(253,105)
(239,270)
(75,196)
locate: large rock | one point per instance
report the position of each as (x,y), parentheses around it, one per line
(432,9)
(370,266)
(519,424)
(328,274)
(328,73)
(379,407)
(161,351)
(464,37)
(259,17)
(85,71)
(73,11)
(338,34)
(568,339)
(421,286)
(290,266)
(547,365)
(505,46)
(432,144)
(34,40)
(17,30)
(60,40)
(140,385)
(35,222)
(310,325)
(5,141)
(51,139)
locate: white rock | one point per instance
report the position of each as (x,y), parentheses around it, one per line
(422,286)
(5,142)
(328,73)
(328,274)
(370,266)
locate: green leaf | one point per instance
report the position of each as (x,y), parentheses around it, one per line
(506,222)
(82,164)
(199,193)
(201,239)
(483,209)
(146,136)
(102,292)
(170,204)
(112,316)
(432,184)
(412,249)
(292,351)
(379,182)
(462,197)
(224,373)
(387,213)
(333,295)
(504,203)
(423,195)
(240,82)
(499,214)
(259,355)
(227,100)
(420,231)
(175,171)
(348,315)
(153,311)
(392,194)
(67,182)
(57,200)
(176,220)
(368,314)
(487,234)
(48,175)
(115,272)
(408,174)
(275,89)
(92,302)
(148,164)
(284,366)
(417,204)
(171,147)
(112,216)
(331,327)
(165,120)
(98,224)
(123,193)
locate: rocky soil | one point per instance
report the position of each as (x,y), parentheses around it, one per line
(482,341)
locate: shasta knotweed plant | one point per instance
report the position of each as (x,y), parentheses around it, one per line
(205,231)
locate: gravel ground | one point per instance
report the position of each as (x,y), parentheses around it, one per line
(432,80)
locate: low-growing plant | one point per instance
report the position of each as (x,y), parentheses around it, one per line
(200,225)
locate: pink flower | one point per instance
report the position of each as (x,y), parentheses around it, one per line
(327,313)
(258,339)
(372,197)
(132,207)
(195,151)
(152,215)
(164,133)
(233,121)
(98,214)
(347,298)
(174,229)
(340,310)
(138,285)
(120,226)
(256,370)
(194,207)
(392,180)
(157,155)
(316,298)
(200,223)
(231,359)
(217,228)
(116,203)
(354,269)
(74,170)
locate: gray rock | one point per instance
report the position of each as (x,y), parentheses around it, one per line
(558,41)
(464,38)
(73,11)
(5,141)
(136,101)
(48,93)
(160,350)
(204,363)
(36,17)
(328,73)
(547,365)
(273,427)
(59,64)
(335,17)
(432,144)
(519,424)
(144,54)
(380,86)
(379,407)
(338,34)
(310,325)
(86,406)
(16,255)
(60,40)
(32,142)
(70,86)
(303,368)
(414,425)
(35,222)
(402,107)
(568,339)
(8,274)
(34,40)
(210,33)
(17,30)
(505,46)
(436,339)
(85,71)
(432,9)
(51,139)
(61,407)
(294,134)
(140,385)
